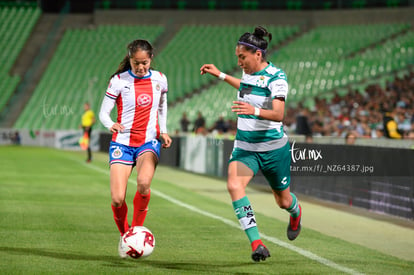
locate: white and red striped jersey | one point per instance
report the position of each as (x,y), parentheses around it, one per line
(141,104)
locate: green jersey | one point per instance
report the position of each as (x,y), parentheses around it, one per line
(259,89)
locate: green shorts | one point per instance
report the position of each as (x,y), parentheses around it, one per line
(275,164)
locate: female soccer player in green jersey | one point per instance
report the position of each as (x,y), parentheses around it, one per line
(260,140)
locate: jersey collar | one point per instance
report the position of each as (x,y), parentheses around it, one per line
(137,77)
(264,69)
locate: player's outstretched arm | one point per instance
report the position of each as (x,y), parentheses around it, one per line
(212,69)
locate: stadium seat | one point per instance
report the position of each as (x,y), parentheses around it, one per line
(328,51)
(86,58)
(202,49)
(16,23)
(323,59)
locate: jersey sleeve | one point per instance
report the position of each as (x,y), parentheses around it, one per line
(278,86)
(162,109)
(108,102)
(162,113)
(114,87)
(164,83)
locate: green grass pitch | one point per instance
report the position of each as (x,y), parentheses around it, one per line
(55,218)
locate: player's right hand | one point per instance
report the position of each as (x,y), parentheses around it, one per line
(211,69)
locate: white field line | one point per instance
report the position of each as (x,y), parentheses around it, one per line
(274,240)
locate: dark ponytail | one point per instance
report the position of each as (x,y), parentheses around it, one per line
(256,40)
(123,66)
(133,47)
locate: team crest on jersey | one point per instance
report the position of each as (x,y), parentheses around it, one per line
(144,100)
(117,153)
(261,81)
(158,87)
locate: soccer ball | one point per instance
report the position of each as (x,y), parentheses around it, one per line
(138,242)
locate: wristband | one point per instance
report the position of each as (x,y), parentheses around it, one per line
(256,111)
(222,76)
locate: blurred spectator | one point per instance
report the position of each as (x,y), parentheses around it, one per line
(184,123)
(362,112)
(404,123)
(221,126)
(358,112)
(391,126)
(378,132)
(199,124)
(302,125)
(350,138)
(15,138)
(411,133)
(232,127)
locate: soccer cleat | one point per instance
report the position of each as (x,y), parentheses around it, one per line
(121,252)
(261,253)
(294,226)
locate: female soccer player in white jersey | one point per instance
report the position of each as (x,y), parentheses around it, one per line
(140,95)
(260,140)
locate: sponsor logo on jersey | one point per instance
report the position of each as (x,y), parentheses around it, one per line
(144,100)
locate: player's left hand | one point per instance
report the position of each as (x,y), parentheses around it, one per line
(242,108)
(166,140)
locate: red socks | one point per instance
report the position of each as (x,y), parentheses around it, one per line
(140,208)
(140,212)
(256,243)
(120,217)
(294,222)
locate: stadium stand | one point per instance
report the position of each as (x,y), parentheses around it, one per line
(207,103)
(361,112)
(394,54)
(79,72)
(16,23)
(79,59)
(194,45)
(317,62)
(323,60)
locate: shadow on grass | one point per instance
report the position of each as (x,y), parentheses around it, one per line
(199,266)
(57,254)
(115,261)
